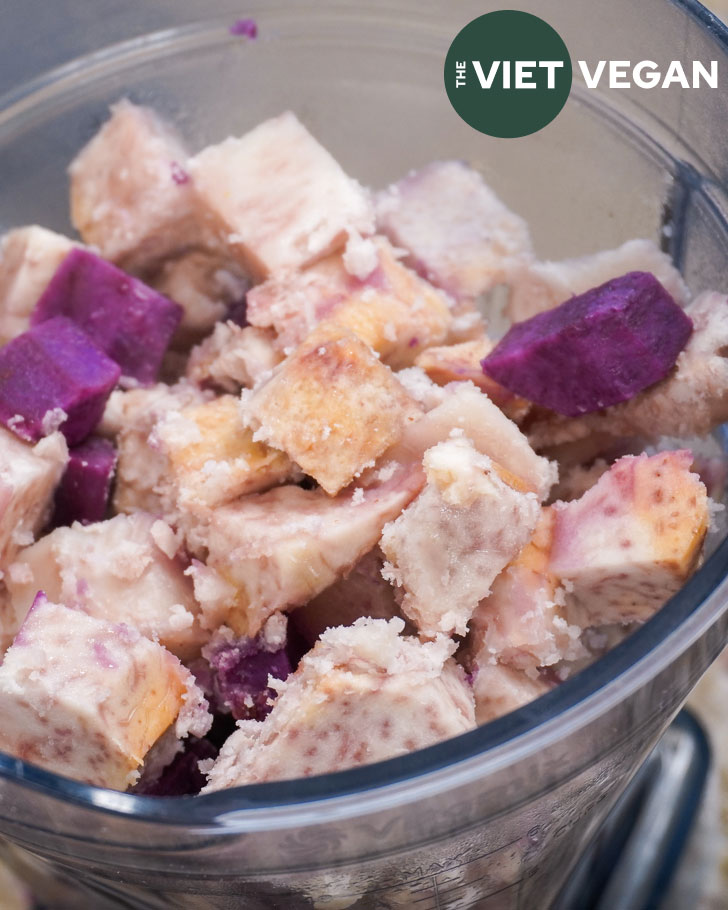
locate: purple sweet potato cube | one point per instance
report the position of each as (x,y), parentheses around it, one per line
(54,377)
(594,350)
(127,319)
(83,493)
(181,777)
(240,670)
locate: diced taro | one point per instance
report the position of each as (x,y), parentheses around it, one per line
(54,377)
(128,320)
(594,350)
(240,670)
(83,493)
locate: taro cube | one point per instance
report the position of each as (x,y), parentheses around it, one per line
(447,547)
(131,195)
(54,377)
(213,458)
(125,570)
(277,198)
(499,689)
(279,549)
(364,693)
(392,309)
(465,409)
(233,357)
(456,231)
(128,320)
(29,257)
(28,478)
(87,699)
(521,623)
(331,406)
(632,540)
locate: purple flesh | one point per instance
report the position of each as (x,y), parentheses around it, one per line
(181,777)
(128,320)
(54,365)
(595,350)
(248,28)
(240,671)
(83,493)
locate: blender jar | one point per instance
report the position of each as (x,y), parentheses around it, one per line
(495,818)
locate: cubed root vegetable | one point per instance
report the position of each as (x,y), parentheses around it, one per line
(594,350)
(83,493)
(128,320)
(54,377)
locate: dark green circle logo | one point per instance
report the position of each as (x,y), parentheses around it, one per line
(508,73)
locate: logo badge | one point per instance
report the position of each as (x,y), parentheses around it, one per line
(508,74)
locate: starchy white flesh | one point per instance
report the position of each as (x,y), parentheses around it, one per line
(232,358)
(29,256)
(121,570)
(456,231)
(29,475)
(691,401)
(461,363)
(521,623)
(448,546)
(205,284)
(331,406)
(363,694)
(276,198)
(212,458)
(87,699)
(538,286)
(362,592)
(141,468)
(130,193)
(280,549)
(498,690)
(632,540)
(463,407)
(392,309)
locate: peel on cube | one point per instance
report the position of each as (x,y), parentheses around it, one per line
(279,549)
(131,196)
(87,699)
(54,377)
(28,477)
(125,570)
(29,257)
(213,458)
(632,540)
(129,321)
(83,493)
(594,350)
(331,406)
(391,308)
(457,233)
(447,547)
(538,286)
(276,198)
(364,693)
